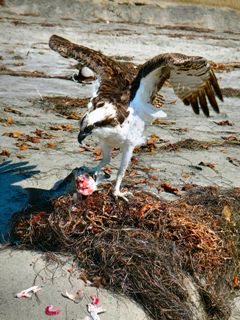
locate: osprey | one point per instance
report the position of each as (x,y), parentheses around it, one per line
(125,98)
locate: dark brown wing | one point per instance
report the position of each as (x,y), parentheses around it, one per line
(95,60)
(114,78)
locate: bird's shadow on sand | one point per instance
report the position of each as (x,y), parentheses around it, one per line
(12,196)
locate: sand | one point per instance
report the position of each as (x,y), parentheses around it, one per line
(119,29)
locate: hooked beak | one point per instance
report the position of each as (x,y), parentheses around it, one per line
(83,134)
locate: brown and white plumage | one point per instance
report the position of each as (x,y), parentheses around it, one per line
(191,77)
(123,103)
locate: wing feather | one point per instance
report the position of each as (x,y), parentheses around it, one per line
(203,102)
(93,59)
(211,98)
(194,104)
(114,77)
(214,83)
(101,64)
(192,79)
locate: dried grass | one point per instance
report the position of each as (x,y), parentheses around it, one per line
(145,248)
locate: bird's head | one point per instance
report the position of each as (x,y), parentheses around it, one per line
(100,115)
(86,128)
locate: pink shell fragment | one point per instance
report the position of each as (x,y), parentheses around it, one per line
(85,184)
(95,299)
(27,293)
(51,312)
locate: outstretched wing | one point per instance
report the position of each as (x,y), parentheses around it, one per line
(192,79)
(109,104)
(109,70)
(102,65)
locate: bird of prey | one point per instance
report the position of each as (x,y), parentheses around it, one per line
(124,100)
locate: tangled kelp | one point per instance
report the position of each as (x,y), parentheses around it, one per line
(148,247)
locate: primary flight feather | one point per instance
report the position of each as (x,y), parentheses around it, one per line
(125,98)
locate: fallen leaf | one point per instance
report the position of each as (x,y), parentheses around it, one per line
(65,127)
(163,122)
(210,165)
(150,184)
(98,158)
(150,169)
(19,156)
(223,123)
(145,208)
(33,139)
(134,159)
(82,149)
(97,152)
(131,173)
(140,181)
(231,138)
(235,282)
(10,120)
(10,109)
(185,175)
(38,132)
(168,188)
(227,213)
(41,134)
(51,145)
(74,116)
(55,127)
(151,143)
(107,170)
(137,149)
(218,66)
(155,178)
(23,147)
(180,129)
(188,186)
(153,139)
(13,134)
(5,153)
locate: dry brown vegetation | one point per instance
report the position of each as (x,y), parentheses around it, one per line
(145,248)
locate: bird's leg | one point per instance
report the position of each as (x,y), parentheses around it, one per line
(106,151)
(127,154)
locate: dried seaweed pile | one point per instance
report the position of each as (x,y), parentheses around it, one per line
(145,248)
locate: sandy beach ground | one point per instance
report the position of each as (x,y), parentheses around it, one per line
(127,32)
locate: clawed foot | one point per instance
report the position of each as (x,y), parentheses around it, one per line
(122,195)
